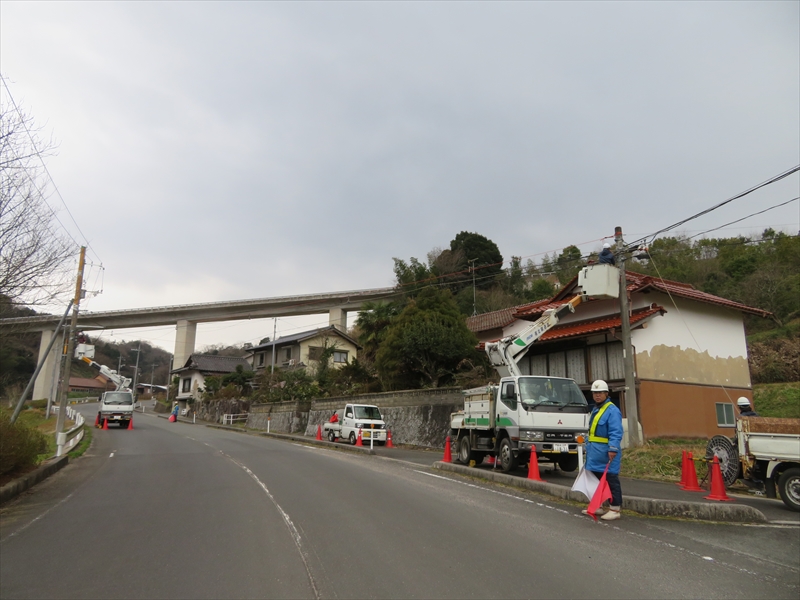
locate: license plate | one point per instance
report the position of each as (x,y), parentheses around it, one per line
(365,434)
(560,447)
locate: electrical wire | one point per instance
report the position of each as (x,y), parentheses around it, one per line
(743,218)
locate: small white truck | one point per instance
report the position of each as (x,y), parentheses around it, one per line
(765,455)
(354,418)
(116,406)
(524,413)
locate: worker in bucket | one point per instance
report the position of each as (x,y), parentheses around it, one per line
(604,447)
(745,409)
(606,256)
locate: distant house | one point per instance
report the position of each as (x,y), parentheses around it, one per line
(303,349)
(690,352)
(98,384)
(192,375)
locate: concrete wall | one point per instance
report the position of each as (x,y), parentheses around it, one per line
(417,417)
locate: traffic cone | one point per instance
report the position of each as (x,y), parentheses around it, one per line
(684,468)
(97,420)
(533,467)
(105,423)
(389,439)
(690,484)
(448,458)
(358,439)
(490,460)
(319,432)
(130,424)
(717,484)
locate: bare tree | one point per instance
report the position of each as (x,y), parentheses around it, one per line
(34,254)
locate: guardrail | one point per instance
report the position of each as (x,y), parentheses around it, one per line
(66,440)
(230,419)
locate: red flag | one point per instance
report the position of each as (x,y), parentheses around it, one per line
(602,494)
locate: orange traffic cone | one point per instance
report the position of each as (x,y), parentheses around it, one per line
(490,460)
(389,439)
(717,484)
(533,467)
(105,423)
(358,439)
(97,420)
(448,458)
(684,469)
(690,485)
(130,424)
(319,432)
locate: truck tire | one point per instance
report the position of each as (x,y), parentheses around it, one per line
(331,436)
(789,487)
(508,462)
(352,438)
(464,450)
(568,463)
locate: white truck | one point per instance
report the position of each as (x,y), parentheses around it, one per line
(116,406)
(525,413)
(354,418)
(765,454)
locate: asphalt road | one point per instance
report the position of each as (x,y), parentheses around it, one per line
(182,511)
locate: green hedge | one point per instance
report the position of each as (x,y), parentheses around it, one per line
(20,445)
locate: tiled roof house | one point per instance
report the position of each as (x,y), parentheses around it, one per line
(690,352)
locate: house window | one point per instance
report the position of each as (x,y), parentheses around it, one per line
(261,360)
(725,417)
(340,356)
(187,385)
(314,352)
(287,353)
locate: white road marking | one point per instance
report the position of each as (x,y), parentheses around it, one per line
(111,455)
(616,528)
(36,519)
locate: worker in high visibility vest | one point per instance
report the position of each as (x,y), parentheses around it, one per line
(604,446)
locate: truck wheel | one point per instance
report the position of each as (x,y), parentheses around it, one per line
(352,438)
(789,486)
(464,451)
(508,462)
(331,436)
(568,463)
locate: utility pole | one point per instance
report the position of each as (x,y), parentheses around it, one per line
(70,346)
(152,374)
(474,302)
(136,368)
(631,406)
(274,330)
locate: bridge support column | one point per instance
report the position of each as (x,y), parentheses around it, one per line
(42,385)
(185,334)
(338,318)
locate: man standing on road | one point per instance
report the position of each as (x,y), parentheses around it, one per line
(604,447)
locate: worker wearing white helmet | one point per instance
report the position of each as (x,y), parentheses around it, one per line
(605,446)
(606,256)
(745,409)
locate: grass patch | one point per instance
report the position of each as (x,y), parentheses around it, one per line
(84,444)
(660,459)
(791,329)
(777,400)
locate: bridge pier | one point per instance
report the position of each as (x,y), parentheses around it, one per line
(185,334)
(338,318)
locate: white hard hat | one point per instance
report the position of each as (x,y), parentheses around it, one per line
(599,386)
(743,401)
(606,245)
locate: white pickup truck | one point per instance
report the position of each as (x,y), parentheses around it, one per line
(765,454)
(355,417)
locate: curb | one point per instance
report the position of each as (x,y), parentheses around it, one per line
(297,438)
(701,511)
(50,467)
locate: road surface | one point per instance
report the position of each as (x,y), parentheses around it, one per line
(181,511)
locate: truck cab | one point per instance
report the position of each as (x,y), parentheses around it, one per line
(117,407)
(523,414)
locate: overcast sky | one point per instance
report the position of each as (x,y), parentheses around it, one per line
(221,151)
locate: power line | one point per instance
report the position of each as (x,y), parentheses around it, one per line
(50,177)
(743,218)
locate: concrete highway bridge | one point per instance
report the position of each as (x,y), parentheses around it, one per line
(185,318)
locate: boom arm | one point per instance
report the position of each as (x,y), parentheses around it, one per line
(121,382)
(503,354)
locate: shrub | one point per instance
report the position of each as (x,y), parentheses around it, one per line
(20,445)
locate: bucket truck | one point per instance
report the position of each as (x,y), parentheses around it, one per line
(525,413)
(116,406)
